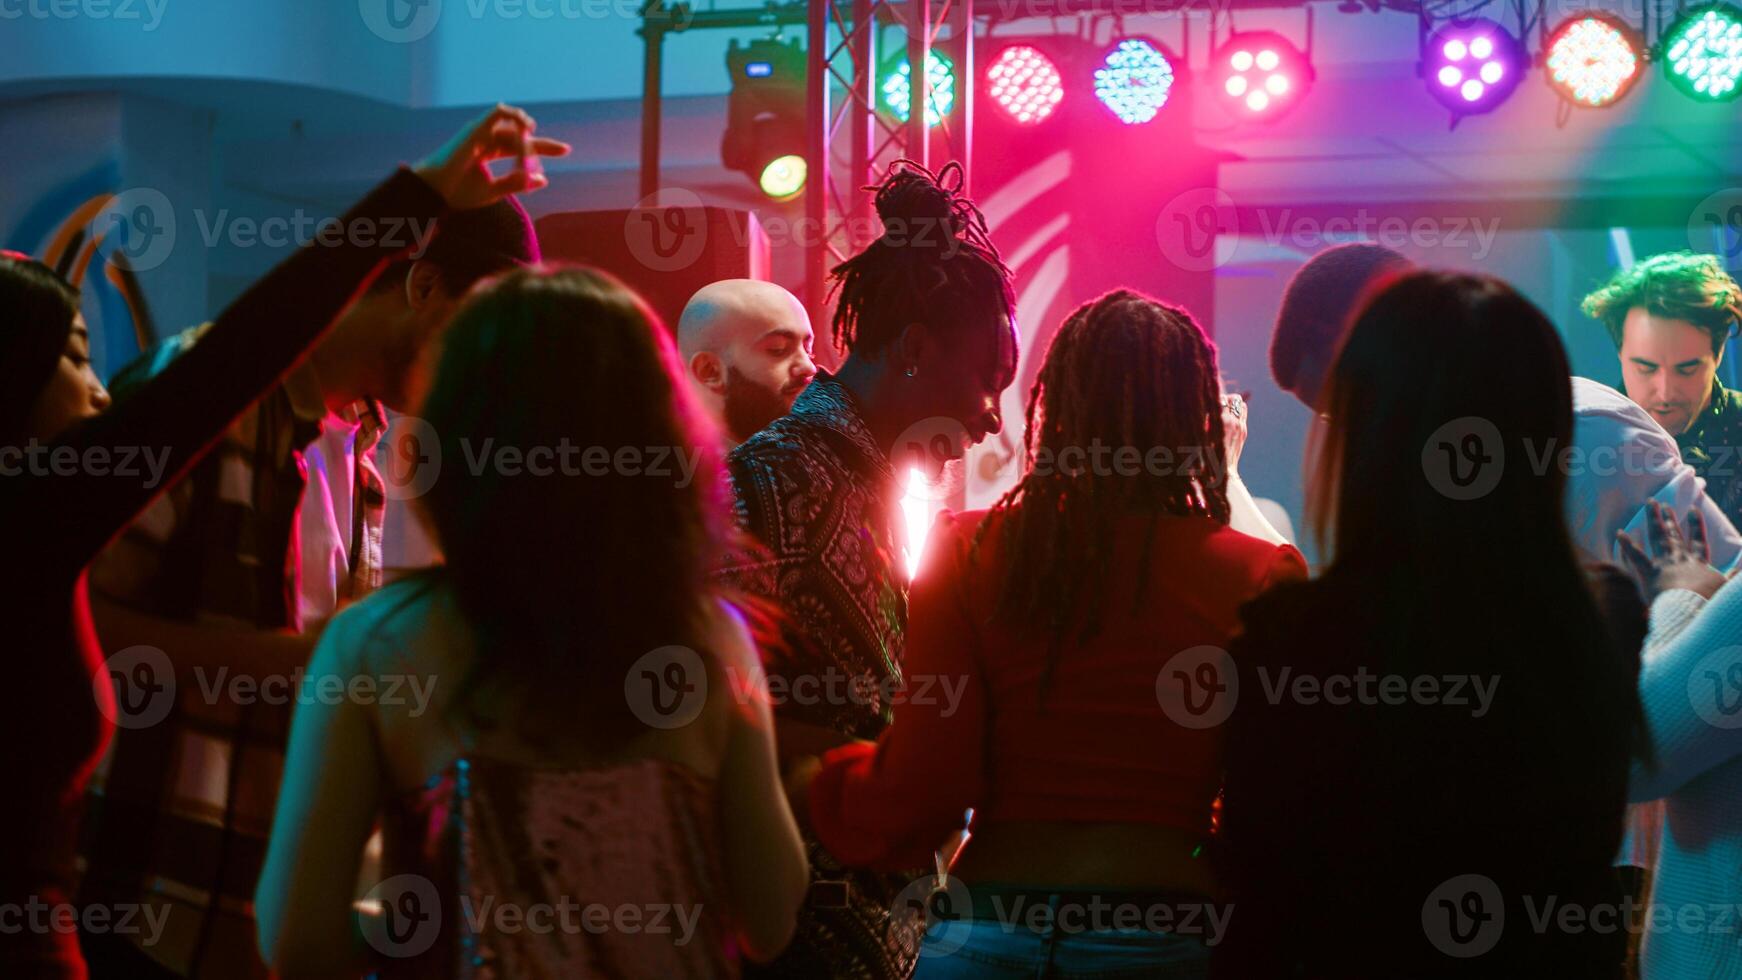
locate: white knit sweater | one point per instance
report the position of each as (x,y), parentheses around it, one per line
(1691,684)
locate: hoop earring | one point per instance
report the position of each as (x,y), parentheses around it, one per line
(911,370)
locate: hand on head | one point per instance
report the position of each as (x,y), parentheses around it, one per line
(458,169)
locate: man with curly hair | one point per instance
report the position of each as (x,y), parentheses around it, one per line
(1670,316)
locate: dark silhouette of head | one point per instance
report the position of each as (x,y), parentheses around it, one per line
(1122,371)
(1316,307)
(386,344)
(1447,393)
(572,572)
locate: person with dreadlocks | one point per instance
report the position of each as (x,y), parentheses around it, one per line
(924,317)
(1072,607)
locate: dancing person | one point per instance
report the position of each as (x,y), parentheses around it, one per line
(1315,311)
(1619,458)
(1054,614)
(1432,739)
(1691,686)
(925,316)
(62,704)
(524,773)
(235,568)
(746,348)
(1670,316)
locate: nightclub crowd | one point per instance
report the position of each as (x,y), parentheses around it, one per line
(671,705)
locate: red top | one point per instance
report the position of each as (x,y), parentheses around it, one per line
(969,728)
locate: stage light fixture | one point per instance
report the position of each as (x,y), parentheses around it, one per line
(1702,53)
(1471,66)
(1593,59)
(1025,83)
(764,138)
(1260,74)
(1134,80)
(940,75)
(784,176)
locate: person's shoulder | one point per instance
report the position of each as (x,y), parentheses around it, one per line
(1595,399)
(786,436)
(790,451)
(1253,555)
(383,623)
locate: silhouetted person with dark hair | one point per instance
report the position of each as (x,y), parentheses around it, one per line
(1315,310)
(58,708)
(1431,740)
(533,773)
(1056,611)
(925,316)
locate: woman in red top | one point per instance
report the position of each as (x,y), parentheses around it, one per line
(1062,676)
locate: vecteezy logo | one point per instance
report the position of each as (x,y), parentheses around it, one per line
(1190,225)
(409,919)
(410,456)
(1716,226)
(1464,458)
(668,230)
(400,21)
(928,446)
(1198,687)
(135,230)
(667,688)
(1464,916)
(1715,688)
(931,917)
(135,688)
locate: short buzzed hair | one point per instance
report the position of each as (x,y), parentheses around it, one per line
(1319,301)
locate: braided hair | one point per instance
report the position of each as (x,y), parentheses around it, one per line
(1123,371)
(934,263)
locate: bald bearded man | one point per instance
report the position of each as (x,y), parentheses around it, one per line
(746,345)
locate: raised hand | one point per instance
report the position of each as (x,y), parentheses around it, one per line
(458,172)
(1675,562)
(1233,430)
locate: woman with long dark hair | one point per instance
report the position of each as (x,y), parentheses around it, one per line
(594,730)
(62,499)
(1039,691)
(1429,758)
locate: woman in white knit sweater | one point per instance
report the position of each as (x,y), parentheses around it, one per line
(1691,687)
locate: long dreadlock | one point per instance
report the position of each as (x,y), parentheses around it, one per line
(934,263)
(1123,371)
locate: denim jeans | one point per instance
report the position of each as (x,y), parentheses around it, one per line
(993,950)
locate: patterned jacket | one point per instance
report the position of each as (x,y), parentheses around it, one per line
(1712,445)
(818,493)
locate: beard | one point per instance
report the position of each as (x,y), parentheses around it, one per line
(750,407)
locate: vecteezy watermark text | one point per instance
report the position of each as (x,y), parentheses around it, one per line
(37,917)
(148,12)
(145,463)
